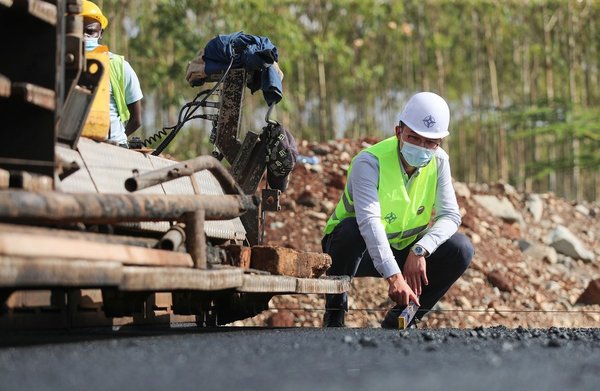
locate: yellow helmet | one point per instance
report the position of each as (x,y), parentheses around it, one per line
(92,11)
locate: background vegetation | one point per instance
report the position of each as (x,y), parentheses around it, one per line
(521,76)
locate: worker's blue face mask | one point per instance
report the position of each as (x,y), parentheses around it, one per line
(416,156)
(90,43)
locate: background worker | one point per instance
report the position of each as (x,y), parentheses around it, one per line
(381,225)
(125,91)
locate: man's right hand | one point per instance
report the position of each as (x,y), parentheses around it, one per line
(399,291)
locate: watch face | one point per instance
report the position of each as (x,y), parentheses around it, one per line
(418,250)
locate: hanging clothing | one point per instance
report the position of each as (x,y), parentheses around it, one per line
(254,53)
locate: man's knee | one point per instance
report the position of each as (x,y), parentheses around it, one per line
(346,233)
(346,247)
(463,249)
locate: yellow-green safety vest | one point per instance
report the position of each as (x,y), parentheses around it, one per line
(404,214)
(117,83)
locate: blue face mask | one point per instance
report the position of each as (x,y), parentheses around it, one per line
(416,156)
(91,44)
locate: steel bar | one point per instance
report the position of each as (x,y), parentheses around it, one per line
(54,207)
(195,239)
(35,246)
(174,238)
(4,86)
(36,95)
(188,167)
(64,168)
(80,235)
(18,272)
(73,7)
(29,181)
(43,10)
(40,9)
(4,178)
(180,280)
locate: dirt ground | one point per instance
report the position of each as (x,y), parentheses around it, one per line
(503,286)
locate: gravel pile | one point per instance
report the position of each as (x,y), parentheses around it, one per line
(535,253)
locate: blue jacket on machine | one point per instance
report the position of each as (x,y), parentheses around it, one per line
(255,54)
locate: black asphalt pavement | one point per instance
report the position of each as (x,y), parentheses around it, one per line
(302,359)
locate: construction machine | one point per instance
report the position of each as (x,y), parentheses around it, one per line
(95,234)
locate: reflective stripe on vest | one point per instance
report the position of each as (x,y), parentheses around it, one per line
(404,213)
(347,204)
(117,83)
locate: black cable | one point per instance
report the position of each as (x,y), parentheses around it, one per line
(165,131)
(155,137)
(473,310)
(189,112)
(203,116)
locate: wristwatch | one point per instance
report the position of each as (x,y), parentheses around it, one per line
(419,250)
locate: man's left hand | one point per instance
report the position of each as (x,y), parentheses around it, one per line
(415,272)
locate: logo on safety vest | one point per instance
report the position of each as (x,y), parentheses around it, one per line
(429,121)
(390,217)
(420,210)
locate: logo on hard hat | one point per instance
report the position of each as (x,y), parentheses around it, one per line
(429,121)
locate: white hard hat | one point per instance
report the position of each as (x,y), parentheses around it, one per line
(427,114)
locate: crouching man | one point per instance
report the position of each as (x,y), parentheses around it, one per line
(382,227)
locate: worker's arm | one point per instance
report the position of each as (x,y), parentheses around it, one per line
(447,215)
(446,222)
(135,117)
(133,97)
(362,186)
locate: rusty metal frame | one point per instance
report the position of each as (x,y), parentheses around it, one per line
(56,207)
(247,158)
(29,113)
(5,87)
(173,238)
(249,177)
(186,168)
(230,113)
(42,10)
(64,208)
(194,220)
(78,103)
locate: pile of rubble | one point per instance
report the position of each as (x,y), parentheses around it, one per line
(535,253)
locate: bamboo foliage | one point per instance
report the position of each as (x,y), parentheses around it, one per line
(521,76)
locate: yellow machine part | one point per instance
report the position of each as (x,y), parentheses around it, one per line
(97,123)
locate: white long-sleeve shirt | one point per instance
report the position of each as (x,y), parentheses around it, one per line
(362,186)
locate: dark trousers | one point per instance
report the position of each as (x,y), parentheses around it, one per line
(349,257)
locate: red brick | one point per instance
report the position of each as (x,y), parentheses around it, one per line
(238,255)
(288,262)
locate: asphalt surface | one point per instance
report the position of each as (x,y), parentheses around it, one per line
(302,359)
